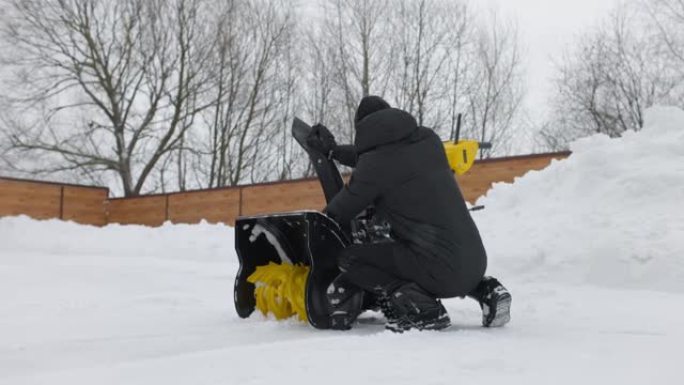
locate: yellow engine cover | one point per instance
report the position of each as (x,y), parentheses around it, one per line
(461,155)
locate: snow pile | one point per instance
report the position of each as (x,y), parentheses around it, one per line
(610,214)
(76,296)
(203,241)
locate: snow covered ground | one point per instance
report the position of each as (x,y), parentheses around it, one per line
(592,249)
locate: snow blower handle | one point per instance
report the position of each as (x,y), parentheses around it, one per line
(322,140)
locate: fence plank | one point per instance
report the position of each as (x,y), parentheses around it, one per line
(281,197)
(148,211)
(214,206)
(37,200)
(85,205)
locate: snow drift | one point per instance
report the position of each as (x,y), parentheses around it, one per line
(611,214)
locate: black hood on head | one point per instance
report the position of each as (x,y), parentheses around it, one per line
(383,127)
(369,105)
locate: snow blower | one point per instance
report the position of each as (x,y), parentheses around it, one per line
(287,260)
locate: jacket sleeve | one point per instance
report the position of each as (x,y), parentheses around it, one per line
(363,188)
(345,154)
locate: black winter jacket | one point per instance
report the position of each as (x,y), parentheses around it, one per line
(403,171)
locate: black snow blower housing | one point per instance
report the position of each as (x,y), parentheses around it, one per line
(287,260)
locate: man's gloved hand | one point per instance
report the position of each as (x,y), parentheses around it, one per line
(320,139)
(346,259)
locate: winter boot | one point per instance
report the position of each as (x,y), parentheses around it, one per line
(385,306)
(346,303)
(371,301)
(411,307)
(495,302)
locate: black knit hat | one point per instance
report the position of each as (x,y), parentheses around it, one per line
(369,105)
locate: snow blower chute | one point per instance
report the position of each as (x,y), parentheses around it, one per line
(287,260)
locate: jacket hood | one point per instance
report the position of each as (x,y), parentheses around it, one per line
(383,127)
(368,105)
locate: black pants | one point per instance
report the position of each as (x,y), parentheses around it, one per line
(386,266)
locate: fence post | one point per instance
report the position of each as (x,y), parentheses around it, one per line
(166,208)
(61,203)
(240,203)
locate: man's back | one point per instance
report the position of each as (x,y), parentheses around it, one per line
(402,169)
(421,198)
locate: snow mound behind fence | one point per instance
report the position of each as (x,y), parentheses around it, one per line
(610,214)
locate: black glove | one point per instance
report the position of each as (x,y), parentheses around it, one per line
(320,139)
(346,260)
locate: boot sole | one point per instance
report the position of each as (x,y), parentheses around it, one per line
(502,314)
(440,324)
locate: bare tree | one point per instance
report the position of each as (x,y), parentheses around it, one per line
(363,60)
(175,94)
(668,18)
(436,62)
(461,78)
(617,71)
(117,84)
(495,101)
(317,76)
(252,86)
(423,30)
(318,88)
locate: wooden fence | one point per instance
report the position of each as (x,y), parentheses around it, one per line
(90,205)
(45,200)
(217,205)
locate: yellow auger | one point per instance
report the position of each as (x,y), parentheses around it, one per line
(280,289)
